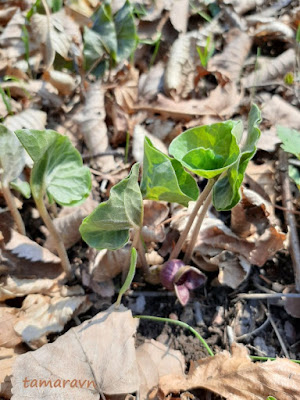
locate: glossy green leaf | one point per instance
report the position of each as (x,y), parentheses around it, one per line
(226,192)
(12,156)
(126,31)
(112,35)
(165,179)
(107,227)
(208,150)
(57,169)
(290,140)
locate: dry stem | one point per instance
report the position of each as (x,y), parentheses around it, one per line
(11,204)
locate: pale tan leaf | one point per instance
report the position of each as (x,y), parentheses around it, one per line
(28,119)
(154,361)
(8,319)
(67,224)
(242,6)
(150,83)
(108,264)
(41,315)
(92,124)
(24,247)
(139,135)
(100,350)
(274,68)
(274,30)
(11,37)
(6,14)
(7,360)
(12,287)
(235,377)
(63,82)
(230,62)
(179,14)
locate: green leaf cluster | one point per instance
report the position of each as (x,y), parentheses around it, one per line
(57,170)
(112,37)
(291,143)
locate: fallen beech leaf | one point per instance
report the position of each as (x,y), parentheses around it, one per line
(41,315)
(30,118)
(108,264)
(154,361)
(67,224)
(100,350)
(272,69)
(92,125)
(7,360)
(62,81)
(242,6)
(8,319)
(24,247)
(235,377)
(179,14)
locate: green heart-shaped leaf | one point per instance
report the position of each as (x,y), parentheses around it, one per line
(165,179)
(12,156)
(208,150)
(290,140)
(126,31)
(226,193)
(107,227)
(57,169)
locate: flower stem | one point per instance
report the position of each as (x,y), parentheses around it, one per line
(138,245)
(180,323)
(177,249)
(190,249)
(11,204)
(60,248)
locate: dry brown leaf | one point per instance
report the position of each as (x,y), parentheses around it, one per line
(154,361)
(126,93)
(92,125)
(11,38)
(41,315)
(8,319)
(6,14)
(271,70)
(28,119)
(179,14)
(63,82)
(242,6)
(291,305)
(151,83)
(230,62)
(276,111)
(235,377)
(154,214)
(67,224)
(100,350)
(107,264)
(24,247)
(139,135)
(274,30)
(7,360)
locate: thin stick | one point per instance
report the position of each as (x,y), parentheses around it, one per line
(282,344)
(11,204)
(180,323)
(254,332)
(56,237)
(287,201)
(177,249)
(262,296)
(191,246)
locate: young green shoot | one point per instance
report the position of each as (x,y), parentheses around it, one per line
(129,277)
(179,323)
(58,173)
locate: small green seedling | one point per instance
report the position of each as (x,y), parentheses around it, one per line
(111,39)
(207,52)
(58,173)
(12,162)
(291,143)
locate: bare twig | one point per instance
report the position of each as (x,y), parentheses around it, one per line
(287,201)
(282,344)
(254,332)
(263,296)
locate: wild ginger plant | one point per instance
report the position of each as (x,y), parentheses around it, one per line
(214,152)
(57,172)
(12,162)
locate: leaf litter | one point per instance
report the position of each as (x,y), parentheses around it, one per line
(171,82)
